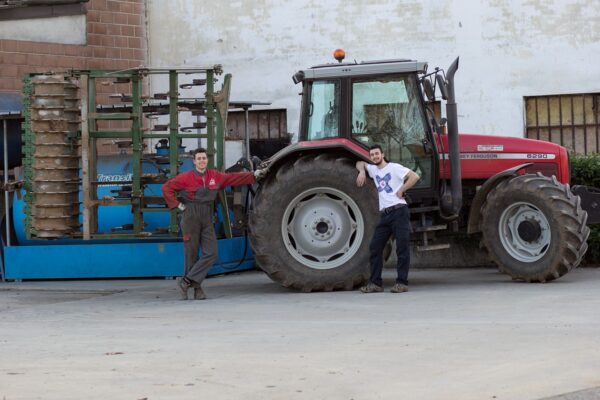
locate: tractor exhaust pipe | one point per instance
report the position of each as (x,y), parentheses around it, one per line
(453,206)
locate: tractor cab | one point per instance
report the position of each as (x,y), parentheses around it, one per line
(372,102)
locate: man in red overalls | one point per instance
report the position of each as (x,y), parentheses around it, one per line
(198,189)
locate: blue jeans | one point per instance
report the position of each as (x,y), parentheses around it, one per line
(398,223)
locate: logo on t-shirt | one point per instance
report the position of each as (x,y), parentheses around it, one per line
(383,183)
(211,182)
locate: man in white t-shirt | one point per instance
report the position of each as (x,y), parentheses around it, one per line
(392,181)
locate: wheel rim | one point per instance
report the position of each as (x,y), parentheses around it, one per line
(322,228)
(524,232)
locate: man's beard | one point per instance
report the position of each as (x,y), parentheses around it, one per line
(380,161)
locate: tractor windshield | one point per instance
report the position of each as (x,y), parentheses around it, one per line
(387,111)
(384,109)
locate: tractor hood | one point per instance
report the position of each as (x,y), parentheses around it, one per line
(482,156)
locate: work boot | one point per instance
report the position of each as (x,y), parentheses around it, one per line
(199,294)
(371,288)
(399,288)
(183,287)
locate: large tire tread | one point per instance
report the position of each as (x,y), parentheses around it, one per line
(567,216)
(262,226)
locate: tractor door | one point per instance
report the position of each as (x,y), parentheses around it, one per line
(389,111)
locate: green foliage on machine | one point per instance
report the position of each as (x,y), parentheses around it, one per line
(585,170)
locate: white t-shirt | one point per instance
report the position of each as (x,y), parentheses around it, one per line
(388,181)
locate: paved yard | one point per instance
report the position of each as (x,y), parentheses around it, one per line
(458,334)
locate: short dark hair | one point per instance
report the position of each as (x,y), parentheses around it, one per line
(376,146)
(198,151)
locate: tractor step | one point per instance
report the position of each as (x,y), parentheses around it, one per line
(430,228)
(433,247)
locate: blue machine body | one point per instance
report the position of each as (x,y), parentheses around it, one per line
(113,258)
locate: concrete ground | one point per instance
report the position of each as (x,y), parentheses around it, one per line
(458,334)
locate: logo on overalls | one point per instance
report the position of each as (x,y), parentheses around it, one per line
(211,182)
(383,183)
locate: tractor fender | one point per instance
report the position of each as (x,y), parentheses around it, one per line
(481,195)
(339,145)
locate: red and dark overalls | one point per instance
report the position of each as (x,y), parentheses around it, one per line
(198,192)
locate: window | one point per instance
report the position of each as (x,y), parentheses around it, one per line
(388,111)
(323,110)
(28,9)
(571,120)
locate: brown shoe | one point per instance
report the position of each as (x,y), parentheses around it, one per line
(371,288)
(183,288)
(399,288)
(199,294)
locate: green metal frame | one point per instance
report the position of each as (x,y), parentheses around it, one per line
(134,112)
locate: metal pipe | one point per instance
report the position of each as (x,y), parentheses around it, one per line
(6,199)
(246,133)
(453,141)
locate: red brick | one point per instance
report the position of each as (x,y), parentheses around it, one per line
(7,84)
(121,64)
(9,71)
(112,5)
(99,52)
(23,70)
(120,18)
(126,8)
(98,5)
(94,63)
(133,19)
(127,30)
(35,59)
(121,41)
(108,41)
(127,54)
(138,8)
(112,29)
(134,43)
(10,45)
(99,28)
(106,64)
(26,47)
(17,58)
(106,17)
(139,54)
(134,63)
(74,50)
(55,49)
(94,40)
(93,16)
(139,31)
(87,51)
(113,53)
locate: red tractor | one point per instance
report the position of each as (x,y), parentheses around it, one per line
(311,225)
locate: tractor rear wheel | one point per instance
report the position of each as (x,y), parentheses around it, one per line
(311,225)
(534,228)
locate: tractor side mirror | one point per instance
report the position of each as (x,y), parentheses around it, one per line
(442,85)
(298,77)
(428,89)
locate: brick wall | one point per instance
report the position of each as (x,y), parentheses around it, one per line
(116,39)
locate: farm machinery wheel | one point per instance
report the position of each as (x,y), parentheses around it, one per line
(311,225)
(534,228)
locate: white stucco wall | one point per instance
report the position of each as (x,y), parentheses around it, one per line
(68,29)
(508,48)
